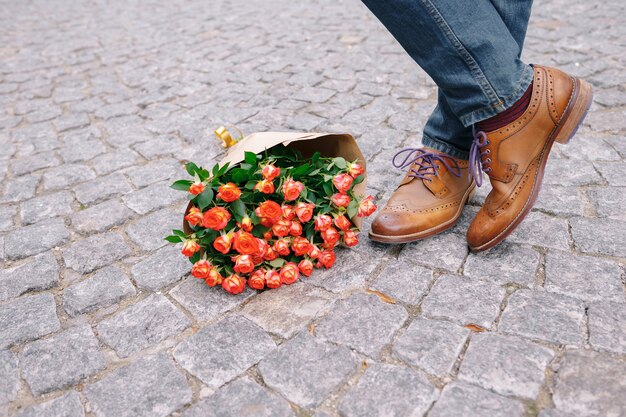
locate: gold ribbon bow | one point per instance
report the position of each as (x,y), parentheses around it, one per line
(224,135)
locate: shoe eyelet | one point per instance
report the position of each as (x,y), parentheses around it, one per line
(488,160)
(488,151)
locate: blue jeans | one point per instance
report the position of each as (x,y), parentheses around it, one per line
(471,49)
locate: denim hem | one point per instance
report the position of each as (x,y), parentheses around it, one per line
(489,111)
(444,147)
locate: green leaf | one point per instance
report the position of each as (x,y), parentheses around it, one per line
(315,158)
(205,198)
(195,258)
(301,170)
(340,162)
(250,185)
(250,157)
(173,239)
(358,180)
(181,185)
(203,174)
(328,189)
(240,175)
(311,196)
(277,263)
(353,208)
(239,209)
(223,169)
(191,168)
(179,233)
(215,169)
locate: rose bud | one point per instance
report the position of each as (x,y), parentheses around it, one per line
(292,189)
(214,278)
(257,279)
(342,222)
(245,243)
(223,242)
(201,269)
(296,228)
(228,192)
(355,169)
(288,212)
(281,228)
(289,273)
(306,267)
(267,222)
(350,238)
(326,258)
(314,252)
(194,217)
(265,186)
(323,222)
(270,172)
(341,200)
(282,247)
(270,210)
(270,255)
(196,188)
(263,248)
(190,247)
(216,218)
(342,182)
(246,224)
(234,284)
(268,235)
(300,246)
(330,236)
(272,279)
(304,211)
(367,206)
(243,264)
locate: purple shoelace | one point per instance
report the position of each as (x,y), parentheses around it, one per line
(425,162)
(476,155)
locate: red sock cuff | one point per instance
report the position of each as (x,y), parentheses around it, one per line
(507,116)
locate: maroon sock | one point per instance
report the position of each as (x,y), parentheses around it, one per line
(507,116)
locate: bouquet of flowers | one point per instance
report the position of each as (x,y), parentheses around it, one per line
(270,218)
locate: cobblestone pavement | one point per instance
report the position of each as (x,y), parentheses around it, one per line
(102,102)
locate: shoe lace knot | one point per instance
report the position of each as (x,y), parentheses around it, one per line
(422,162)
(479,159)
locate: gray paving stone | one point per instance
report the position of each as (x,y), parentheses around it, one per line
(150,387)
(305,370)
(403,281)
(614,172)
(562,201)
(412,393)
(114,160)
(71,121)
(66,175)
(584,277)
(463,400)
(350,271)
(506,263)
(241,398)
(163,267)
(540,229)
(148,231)
(544,316)
(505,365)
(431,345)
(609,201)
(7,213)
(363,321)
(62,360)
(153,197)
(464,300)
(618,144)
(607,327)
(101,217)
(106,287)
(115,110)
(144,324)
(600,236)
(20,188)
(155,171)
(67,405)
(446,251)
(39,273)
(31,163)
(9,376)
(103,188)
(36,238)
(46,206)
(95,252)
(81,150)
(222,351)
(590,384)
(567,172)
(589,149)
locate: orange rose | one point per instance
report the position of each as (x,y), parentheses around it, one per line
(292,189)
(341,200)
(267,222)
(323,222)
(216,218)
(270,172)
(304,211)
(330,236)
(367,207)
(326,258)
(296,228)
(234,284)
(257,279)
(190,247)
(243,264)
(306,267)
(214,278)
(314,252)
(265,186)
(270,210)
(342,222)
(282,247)
(343,182)
(223,242)
(246,224)
(270,255)
(196,188)
(201,269)
(355,169)
(272,279)
(228,192)
(288,212)
(194,217)
(263,247)
(281,228)
(350,238)
(245,243)
(289,273)
(268,235)
(300,246)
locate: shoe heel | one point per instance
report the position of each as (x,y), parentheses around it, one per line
(576,113)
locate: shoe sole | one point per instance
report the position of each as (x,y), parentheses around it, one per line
(574,114)
(429,232)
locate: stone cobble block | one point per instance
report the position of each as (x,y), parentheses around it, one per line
(506,263)
(540,229)
(38,273)
(350,271)
(567,172)
(153,197)
(81,150)
(66,175)
(403,281)
(114,160)
(609,202)
(599,236)
(561,201)
(95,252)
(7,213)
(36,238)
(9,377)
(101,217)
(155,171)
(461,399)
(20,188)
(148,231)
(31,163)
(103,188)
(67,405)
(164,267)
(607,327)
(47,206)
(446,251)
(614,172)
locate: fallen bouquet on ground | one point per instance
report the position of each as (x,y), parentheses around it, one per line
(265,218)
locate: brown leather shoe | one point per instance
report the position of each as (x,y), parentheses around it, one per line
(515,156)
(429,199)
